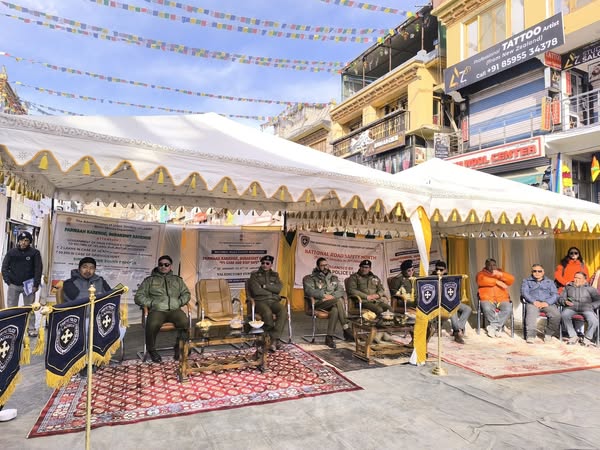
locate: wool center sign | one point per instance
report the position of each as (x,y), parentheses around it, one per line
(517,49)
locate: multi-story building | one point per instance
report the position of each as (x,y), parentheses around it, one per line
(392,99)
(524,77)
(304,124)
(9,101)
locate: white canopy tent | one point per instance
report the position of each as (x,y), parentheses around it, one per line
(208,161)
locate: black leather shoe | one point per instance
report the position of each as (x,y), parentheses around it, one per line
(278,344)
(154,356)
(329,342)
(348,336)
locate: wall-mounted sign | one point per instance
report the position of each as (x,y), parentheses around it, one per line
(502,154)
(385,144)
(519,48)
(553,60)
(441,145)
(552,79)
(581,55)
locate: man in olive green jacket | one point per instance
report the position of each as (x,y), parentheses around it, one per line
(264,287)
(163,293)
(366,285)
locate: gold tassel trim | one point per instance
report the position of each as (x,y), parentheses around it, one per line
(86,170)
(253,189)
(225,187)
(26,351)
(161,177)
(39,345)
(282,195)
(10,390)
(57,381)
(124,312)
(99,360)
(193,183)
(43,165)
(355,203)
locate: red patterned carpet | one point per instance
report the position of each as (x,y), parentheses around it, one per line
(134,391)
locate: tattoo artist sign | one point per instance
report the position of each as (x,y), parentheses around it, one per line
(519,48)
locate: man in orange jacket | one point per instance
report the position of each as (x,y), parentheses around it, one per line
(493,293)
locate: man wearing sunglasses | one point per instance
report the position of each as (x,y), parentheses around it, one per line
(164,293)
(264,286)
(540,294)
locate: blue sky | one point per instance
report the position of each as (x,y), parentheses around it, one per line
(219,77)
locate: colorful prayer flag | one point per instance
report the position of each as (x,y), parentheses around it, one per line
(595,168)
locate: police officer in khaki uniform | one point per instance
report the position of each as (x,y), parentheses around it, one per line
(366,285)
(264,286)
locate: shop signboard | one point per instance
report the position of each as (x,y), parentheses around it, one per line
(515,50)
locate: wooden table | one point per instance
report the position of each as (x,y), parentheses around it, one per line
(364,333)
(223,335)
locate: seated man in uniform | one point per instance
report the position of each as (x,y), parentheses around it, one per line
(164,294)
(264,287)
(401,287)
(327,290)
(366,285)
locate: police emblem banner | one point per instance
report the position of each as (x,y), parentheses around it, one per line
(67,342)
(451,286)
(427,292)
(427,295)
(13,323)
(106,327)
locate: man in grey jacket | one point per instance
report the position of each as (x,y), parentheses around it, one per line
(579,297)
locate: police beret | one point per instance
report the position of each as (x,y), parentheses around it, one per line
(407,264)
(267,258)
(365,263)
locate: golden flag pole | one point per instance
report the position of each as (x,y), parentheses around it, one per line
(439,370)
(88,416)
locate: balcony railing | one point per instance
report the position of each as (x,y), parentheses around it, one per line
(581,110)
(391,125)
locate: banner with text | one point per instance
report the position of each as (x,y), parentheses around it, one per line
(125,251)
(399,250)
(234,254)
(343,254)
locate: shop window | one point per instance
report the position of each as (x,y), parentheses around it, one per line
(567,6)
(493,25)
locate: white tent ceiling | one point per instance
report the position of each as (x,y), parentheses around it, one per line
(232,166)
(240,168)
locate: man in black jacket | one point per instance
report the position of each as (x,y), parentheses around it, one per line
(22,271)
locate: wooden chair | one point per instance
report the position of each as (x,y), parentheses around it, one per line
(60,295)
(250,303)
(481,317)
(354,303)
(396,300)
(581,318)
(216,302)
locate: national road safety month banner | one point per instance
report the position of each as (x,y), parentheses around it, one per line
(125,251)
(234,254)
(342,253)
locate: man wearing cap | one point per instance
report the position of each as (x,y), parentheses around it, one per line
(459,319)
(325,287)
(82,278)
(366,285)
(264,286)
(401,286)
(164,294)
(22,263)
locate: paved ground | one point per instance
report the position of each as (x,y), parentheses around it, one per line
(400,407)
